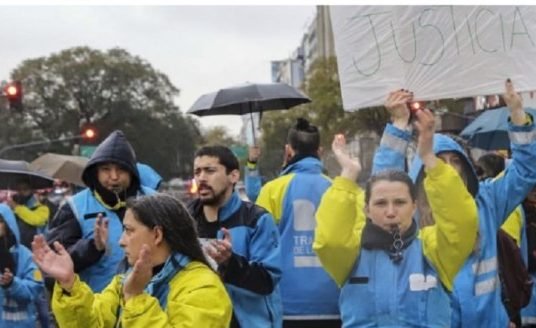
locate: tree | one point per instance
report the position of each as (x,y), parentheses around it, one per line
(326,111)
(218,135)
(111,90)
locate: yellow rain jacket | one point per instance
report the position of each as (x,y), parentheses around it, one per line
(446,244)
(196,298)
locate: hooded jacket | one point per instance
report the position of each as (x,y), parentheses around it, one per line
(74,224)
(183,294)
(17,299)
(148,176)
(292,199)
(476,299)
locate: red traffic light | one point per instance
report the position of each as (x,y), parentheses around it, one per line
(13,93)
(89,133)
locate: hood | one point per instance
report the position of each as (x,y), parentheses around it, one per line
(442,143)
(308,164)
(148,176)
(9,218)
(114,149)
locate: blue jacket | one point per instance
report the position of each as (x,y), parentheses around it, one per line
(292,199)
(377,292)
(256,257)
(85,208)
(367,282)
(148,176)
(476,299)
(18,310)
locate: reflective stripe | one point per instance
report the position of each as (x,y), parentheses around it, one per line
(312,317)
(486,286)
(303,211)
(14,316)
(417,282)
(485,266)
(528,320)
(307,262)
(522,138)
(399,145)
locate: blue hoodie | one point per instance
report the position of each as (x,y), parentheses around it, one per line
(18,310)
(148,176)
(476,299)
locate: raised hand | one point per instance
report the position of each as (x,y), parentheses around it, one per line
(515,103)
(396,105)
(425,125)
(100,232)
(56,264)
(254,152)
(6,278)
(350,165)
(221,250)
(140,275)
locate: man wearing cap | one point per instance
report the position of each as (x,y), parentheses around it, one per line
(89,225)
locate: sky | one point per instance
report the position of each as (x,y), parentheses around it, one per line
(200,48)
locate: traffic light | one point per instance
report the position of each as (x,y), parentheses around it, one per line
(13,93)
(88,134)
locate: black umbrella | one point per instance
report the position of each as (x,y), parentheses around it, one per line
(13,172)
(248,98)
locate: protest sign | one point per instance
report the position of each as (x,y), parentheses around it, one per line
(435,51)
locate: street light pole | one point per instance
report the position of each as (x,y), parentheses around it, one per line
(37,143)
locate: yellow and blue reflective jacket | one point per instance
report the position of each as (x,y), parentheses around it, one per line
(292,199)
(183,294)
(377,291)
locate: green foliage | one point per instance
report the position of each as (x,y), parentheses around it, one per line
(112,90)
(326,109)
(218,135)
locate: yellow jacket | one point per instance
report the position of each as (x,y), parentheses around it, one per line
(446,244)
(196,298)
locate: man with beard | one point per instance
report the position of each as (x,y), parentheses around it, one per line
(89,225)
(241,238)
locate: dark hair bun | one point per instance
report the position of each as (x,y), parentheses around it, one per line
(302,124)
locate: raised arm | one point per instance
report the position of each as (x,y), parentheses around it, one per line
(450,240)
(340,218)
(391,154)
(520,175)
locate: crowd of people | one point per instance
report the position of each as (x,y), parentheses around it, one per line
(438,241)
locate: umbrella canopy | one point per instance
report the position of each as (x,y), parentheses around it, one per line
(13,172)
(489,130)
(248,98)
(64,167)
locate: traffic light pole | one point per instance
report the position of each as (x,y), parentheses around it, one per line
(37,143)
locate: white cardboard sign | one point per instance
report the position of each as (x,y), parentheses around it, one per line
(435,51)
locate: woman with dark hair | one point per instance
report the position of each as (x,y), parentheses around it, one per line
(391,273)
(169,282)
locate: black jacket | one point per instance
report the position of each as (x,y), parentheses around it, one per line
(65,228)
